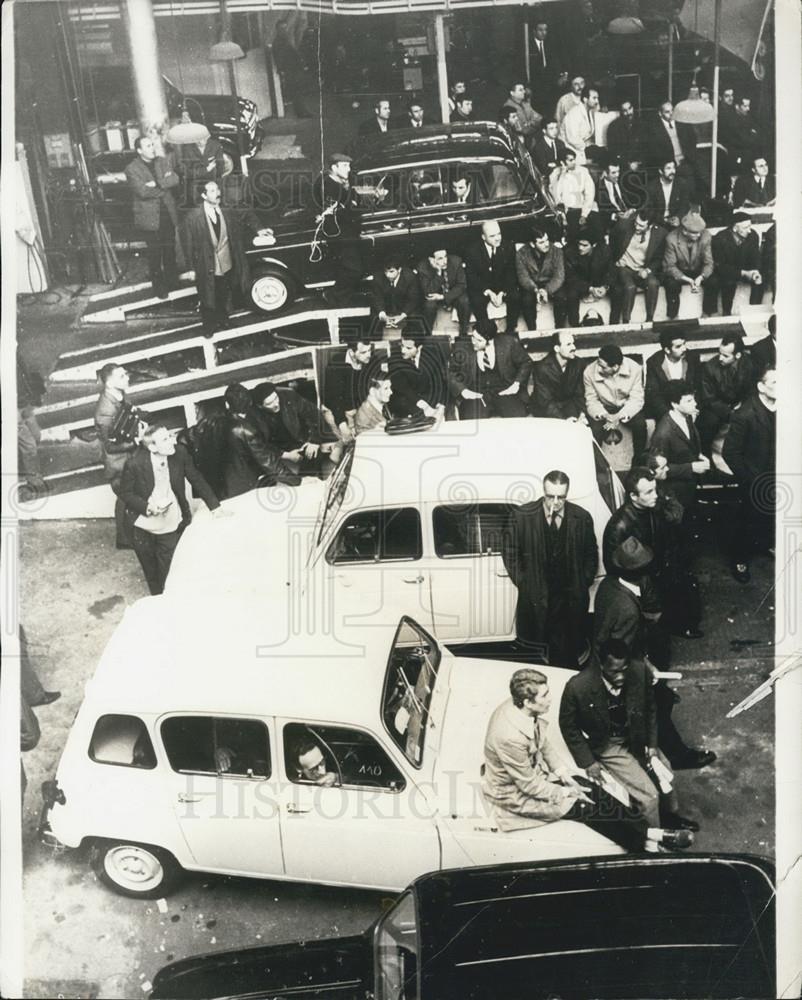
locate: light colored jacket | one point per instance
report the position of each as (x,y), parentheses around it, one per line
(681,256)
(573,188)
(522,769)
(577,131)
(621,393)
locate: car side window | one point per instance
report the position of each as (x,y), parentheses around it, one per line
(378,536)
(201,744)
(499,182)
(380,191)
(339,757)
(425,188)
(469,529)
(123,740)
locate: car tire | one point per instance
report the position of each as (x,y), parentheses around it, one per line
(273,289)
(137,870)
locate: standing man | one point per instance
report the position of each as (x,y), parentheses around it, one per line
(154,491)
(340,219)
(550,553)
(668,197)
(671,364)
(443,285)
(688,260)
(559,389)
(199,162)
(614,395)
(488,374)
(529,120)
(395,297)
(151,180)
(736,257)
(540,270)
(677,439)
(725,382)
(666,140)
(491,276)
(750,451)
(570,100)
(574,193)
(578,128)
(118,429)
(636,253)
(217,255)
(543,66)
(625,138)
(463,109)
(379,124)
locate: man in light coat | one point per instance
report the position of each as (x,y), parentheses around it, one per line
(688,260)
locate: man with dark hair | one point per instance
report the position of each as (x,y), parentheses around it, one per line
(540,271)
(608,720)
(346,383)
(672,364)
(395,296)
(614,396)
(379,124)
(291,426)
(587,270)
(443,285)
(736,257)
(310,766)
(151,179)
(570,99)
(249,460)
(636,253)
(573,192)
(756,189)
(491,275)
(153,489)
(549,150)
(418,376)
(339,214)
(413,117)
(528,783)
(612,200)
(559,389)
(764,351)
(742,135)
(688,260)
(463,191)
(668,197)
(578,127)
(625,141)
(676,438)
(724,383)
(488,374)
(549,550)
(463,109)
(374,411)
(666,140)
(529,120)
(750,451)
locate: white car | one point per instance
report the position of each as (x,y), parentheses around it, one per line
(185,755)
(407,524)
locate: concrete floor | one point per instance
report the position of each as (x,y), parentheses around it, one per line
(83,941)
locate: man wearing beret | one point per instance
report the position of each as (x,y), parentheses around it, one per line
(688,260)
(736,255)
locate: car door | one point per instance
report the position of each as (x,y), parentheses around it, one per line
(223,789)
(472,595)
(370,825)
(385,223)
(372,570)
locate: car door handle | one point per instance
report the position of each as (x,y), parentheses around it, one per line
(456,218)
(389,226)
(415,579)
(298,810)
(183,797)
(505,575)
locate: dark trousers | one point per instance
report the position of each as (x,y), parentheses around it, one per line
(155,553)
(491,405)
(622,824)
(348,270)
(637,426)
(575,290)
(561,637)
(709,293)
(511,300)
(122,525)
(161,254)
(30,686)
(708,424)
(753,524)
(217,315)
(622,294)
(529,308)
(728,294)
(462,305)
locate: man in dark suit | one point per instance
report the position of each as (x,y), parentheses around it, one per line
(444,286)
(153,489)
(672,364)
(292,427)
(724,383)
(736,257)
(413,119)
(550,553)
(677,440)
(755,189)
(667,140)
(559,390)
(112,410)
(668,197)
(488,374)
(463,109)
(249,460)
(491,276)
(636,257)
(608,720)
(394,296)
(379,124)
(216,252)
(151,179)
(764,351)
(625,140)
(750,451)
(549,150)
(418,376)
(612,200)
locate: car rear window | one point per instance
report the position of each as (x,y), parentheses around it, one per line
(469,529)
(122,740)
(378,536)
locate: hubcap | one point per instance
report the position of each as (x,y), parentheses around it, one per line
(269,293)
(133,868)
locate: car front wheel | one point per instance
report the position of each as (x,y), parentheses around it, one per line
(272,290)
(137,870)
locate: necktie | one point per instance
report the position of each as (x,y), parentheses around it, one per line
(542,49)
(643,236)
(617,201)
(486,359)
(554,524)
(444,280)
(216,224)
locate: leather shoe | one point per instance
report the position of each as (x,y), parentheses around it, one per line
(693,759)
(677,840)
(673,822)
(48,697)
(741,572)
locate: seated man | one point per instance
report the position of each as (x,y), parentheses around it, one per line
(668,197)
(756,189)
(395,297)
(559,389)
(418,376)
(529,120)
(587,270)
(736,257)
(374,411)
(688,260)
(345,384)
(488,374)
(614,396)
(463,191)
(310,766)
(529,784)
(249,460)
(672,364)
(636,255)
(491,276)
(573,192)
(677,439)
(549,150)
(443,284)
(291,427)
(724,383)
(612,200)
(540,270)
(463,109)
(608,720)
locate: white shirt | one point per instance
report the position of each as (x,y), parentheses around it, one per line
(667,189)
(630,586)
(674,368)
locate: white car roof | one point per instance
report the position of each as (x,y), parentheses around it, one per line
(227,657)
(465,461)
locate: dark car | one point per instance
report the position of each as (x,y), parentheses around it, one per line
(653,926)
(419,212)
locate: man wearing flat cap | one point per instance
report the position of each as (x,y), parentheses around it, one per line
(736,256)
(339,216)
(688,260)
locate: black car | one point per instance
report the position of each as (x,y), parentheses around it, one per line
(405,182)
(654,926)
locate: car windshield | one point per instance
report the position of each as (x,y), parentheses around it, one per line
(397,952)
(408,688)
(338,485)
